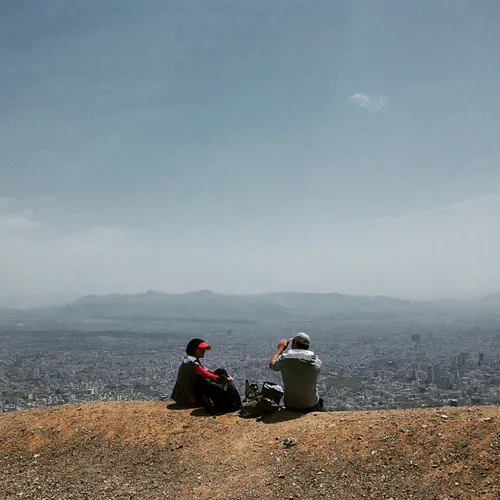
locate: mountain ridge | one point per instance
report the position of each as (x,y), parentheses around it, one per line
(209,306)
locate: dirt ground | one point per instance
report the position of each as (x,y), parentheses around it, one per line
(152,450)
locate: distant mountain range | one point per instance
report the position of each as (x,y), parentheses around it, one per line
(207,306)
(493,299)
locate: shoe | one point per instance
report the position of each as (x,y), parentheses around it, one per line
(207,405)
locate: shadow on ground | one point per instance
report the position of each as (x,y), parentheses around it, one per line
(195,412)
(177,406)
(201,412)
(281,415)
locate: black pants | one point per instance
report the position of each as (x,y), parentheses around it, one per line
(215,397)
(317,407)
(205,389)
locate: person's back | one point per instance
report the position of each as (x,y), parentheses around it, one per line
(183,391)
(300,369)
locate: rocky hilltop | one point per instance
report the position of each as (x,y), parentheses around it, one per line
(155,451)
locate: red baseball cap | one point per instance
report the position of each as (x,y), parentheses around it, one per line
(204,345)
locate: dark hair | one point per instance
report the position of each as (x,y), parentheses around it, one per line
(192,345)
(301,345)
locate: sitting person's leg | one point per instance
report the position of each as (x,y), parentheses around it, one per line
(218,396)
(227,400)
(207,393)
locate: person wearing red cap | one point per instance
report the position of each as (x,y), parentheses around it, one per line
(189,386)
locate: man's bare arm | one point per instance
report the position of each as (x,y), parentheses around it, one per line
(281,347)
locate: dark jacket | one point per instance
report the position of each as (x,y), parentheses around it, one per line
(184,385)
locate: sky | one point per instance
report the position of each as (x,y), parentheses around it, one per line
(250,146)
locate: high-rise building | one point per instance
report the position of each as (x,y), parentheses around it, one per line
(429,376)
(462,358)
(454,362)
(436,374)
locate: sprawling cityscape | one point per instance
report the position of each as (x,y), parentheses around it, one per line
(384,366)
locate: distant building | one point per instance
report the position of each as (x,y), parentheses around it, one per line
(454,362)
(462,358)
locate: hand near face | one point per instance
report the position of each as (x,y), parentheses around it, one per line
(282,344)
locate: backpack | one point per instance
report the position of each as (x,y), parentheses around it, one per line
(272,391)
(261,403)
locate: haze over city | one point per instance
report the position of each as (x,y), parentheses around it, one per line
(249,147)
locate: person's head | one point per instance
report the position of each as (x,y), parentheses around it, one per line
(301,341)
(197,348)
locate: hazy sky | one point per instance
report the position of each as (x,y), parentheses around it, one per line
(253,145)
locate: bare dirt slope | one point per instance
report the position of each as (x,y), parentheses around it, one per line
(150,451)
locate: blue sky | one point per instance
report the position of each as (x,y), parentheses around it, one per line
(250,146)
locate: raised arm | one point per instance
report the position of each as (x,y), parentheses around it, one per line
(281,347)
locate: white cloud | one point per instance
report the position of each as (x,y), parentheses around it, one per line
(372,102)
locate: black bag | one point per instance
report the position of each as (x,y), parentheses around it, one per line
(261,403)
(223,394)
(272,391)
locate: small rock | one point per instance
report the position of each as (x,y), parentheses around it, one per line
(286,442)
(488,419)
(443,416)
